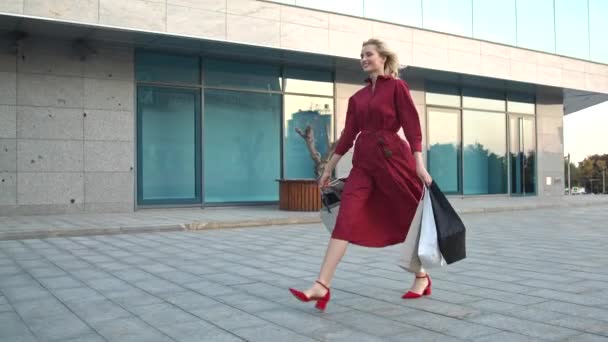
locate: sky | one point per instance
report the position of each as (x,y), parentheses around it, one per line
(586,132)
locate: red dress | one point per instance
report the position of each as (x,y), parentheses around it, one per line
(383,190)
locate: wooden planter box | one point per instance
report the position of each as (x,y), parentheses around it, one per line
(299,195)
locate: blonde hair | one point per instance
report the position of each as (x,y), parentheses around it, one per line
(391,66)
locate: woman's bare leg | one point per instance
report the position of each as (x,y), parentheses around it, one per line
(335,251)
(419,283)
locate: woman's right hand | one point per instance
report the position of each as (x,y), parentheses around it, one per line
(324,180)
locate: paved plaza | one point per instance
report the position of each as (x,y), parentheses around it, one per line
(530,275)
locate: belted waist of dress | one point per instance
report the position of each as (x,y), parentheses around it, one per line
(368,131)
(381,141)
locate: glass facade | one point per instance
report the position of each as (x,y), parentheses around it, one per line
(535,25)
(306,81)
(164,68)
(227,74)
(168,142)
(444,148)
(302,112)
(216,131)
(479,98)
(598,26)
(474,145)
(494,20)
(404,12)
(522,155)
(241,146)
(484,140)
(573,28)
(454,16)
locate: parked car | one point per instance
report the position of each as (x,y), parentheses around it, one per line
(578,190)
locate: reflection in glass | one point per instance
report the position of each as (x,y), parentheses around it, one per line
(485,152)
(535,25)
(444,148)
(442,95)
(165,68)
(305,81)
(300,112)
(483,99)
(520,103)
(228,74)
(572,28)
(404,12)
(241,146)
(168,145)
(523,155)
(598,27)
(452,16)
(494,20)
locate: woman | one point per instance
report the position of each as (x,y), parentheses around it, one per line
(385,184)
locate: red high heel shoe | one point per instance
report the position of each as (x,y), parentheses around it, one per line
(321,300)
(414,295)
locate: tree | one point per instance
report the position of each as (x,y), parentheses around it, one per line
(319,160)
(590,171)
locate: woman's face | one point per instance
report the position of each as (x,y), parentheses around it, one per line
(371,61)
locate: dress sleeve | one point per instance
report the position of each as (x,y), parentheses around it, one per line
(350,131)
(408,116)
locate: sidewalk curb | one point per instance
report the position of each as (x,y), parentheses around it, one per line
(194,226)
(52,233)
(211,225)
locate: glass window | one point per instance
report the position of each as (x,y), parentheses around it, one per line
(442,95)
(535,25)
(484,138)
(523,155)
(521,103)
(598,27)
(483,99)
(229,74)
(444,148)
(494,20)
(306,81)
(453,16)
(301,112)
(241,146)
(572,28)
(350,7)
(156,67)
(405,12)
(168,142)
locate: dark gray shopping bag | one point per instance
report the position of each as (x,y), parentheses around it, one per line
(451,233)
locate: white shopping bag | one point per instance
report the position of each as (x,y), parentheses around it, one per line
(329,216)
(428,246)
(409,251)
(331,197)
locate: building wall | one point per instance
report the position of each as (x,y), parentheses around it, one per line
(569,27)
(287,27)
(550,142)
(67,133)
(66,143)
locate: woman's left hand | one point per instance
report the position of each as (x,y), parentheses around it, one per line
(424,175)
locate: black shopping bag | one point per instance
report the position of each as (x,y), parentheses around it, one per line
(450,229)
